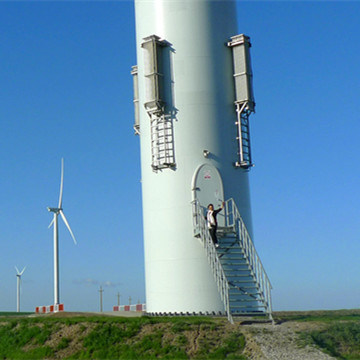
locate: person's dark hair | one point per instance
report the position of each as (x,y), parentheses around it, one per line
(210,205)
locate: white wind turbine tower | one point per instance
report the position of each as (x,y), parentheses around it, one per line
(58,210)
(18,276)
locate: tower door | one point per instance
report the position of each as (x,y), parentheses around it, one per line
(207,187)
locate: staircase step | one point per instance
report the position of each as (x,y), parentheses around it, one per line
(231,271)
(234,294)
(225,257)
(247,306)
(230,253)
(235,287)
(238,275)
(234,264)
(251,281)
(235,267)
(252,313)
(240,296)
(233,260)
(249,288)
(243,300)
(229,239)
(230,250)
(226,229)
(229,247)
(229,242)
(231,276)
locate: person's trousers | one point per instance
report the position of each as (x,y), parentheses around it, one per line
(213,235)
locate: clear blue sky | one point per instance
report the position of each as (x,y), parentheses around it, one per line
(66,91)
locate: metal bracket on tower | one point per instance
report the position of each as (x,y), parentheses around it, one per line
(134,73)
(244,96)
(162,139)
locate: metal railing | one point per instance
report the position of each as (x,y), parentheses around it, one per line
(201,230)
(233,219)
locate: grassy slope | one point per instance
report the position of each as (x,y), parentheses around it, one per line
(118,338)
(99,337)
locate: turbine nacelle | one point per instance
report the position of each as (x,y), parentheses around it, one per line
(19,273)
(54,210)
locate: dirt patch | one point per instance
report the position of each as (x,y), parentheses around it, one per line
(69,335)
(280,342)
(193,341)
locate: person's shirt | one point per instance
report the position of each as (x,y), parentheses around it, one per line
(211,221)
(211,218)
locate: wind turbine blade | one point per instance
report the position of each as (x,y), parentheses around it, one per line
(17,270)
(52,221)
(67,225)
(22,271)
(61,183)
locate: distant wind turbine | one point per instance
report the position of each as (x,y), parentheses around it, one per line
(58,210)
(18,275)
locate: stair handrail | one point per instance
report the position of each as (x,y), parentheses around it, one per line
(234,219)
(201,230)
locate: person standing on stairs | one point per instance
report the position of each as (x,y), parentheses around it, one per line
(212,222)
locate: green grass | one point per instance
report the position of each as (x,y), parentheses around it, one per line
(319,316)
(100,337)
(13,313)
(63,344)
(15,335)
(341,340)
(115,341)
(231,348)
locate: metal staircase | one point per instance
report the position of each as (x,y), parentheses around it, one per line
(241,279)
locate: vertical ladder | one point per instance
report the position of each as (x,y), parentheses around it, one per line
(243,136)
(162,141)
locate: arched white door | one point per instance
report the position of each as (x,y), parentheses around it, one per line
(207,187)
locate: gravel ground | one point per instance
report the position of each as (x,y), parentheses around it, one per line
(279,342)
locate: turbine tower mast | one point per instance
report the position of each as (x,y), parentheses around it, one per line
(18,281)
(192,99)
(58,210)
